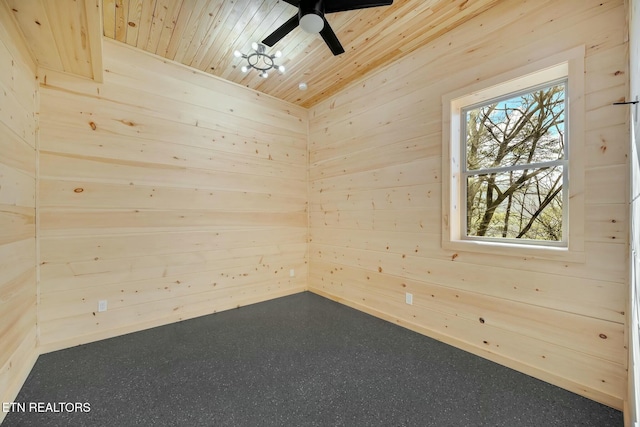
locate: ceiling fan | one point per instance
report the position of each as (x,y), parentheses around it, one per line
(311,19)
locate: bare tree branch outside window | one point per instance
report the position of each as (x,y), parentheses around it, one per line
(515,166)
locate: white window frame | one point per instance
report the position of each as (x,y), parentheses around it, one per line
(465,173)
(567,65)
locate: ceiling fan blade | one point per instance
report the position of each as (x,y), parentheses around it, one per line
(331,6)
(293,2)
(331,39)
(281,31)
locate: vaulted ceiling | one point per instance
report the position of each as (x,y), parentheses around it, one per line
(203,34)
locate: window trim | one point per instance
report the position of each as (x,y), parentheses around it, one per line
(567,65)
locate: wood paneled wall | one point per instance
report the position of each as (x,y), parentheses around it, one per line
(166,192)
(375,203)
(632,411)
(18,123)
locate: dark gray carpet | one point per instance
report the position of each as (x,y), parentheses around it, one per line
(301,360)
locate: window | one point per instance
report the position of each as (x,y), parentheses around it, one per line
(515,166)
(513,162)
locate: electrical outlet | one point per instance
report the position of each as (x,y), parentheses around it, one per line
(408,298)
(102,305)
(292,273)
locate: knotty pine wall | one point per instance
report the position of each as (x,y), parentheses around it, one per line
(166,192)
(632,411)
(376,203)
(18,123)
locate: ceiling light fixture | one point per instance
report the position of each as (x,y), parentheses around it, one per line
(260,60)
(311,16)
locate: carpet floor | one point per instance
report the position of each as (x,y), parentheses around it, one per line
(300,360)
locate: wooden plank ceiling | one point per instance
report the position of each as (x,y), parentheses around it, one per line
(204,34)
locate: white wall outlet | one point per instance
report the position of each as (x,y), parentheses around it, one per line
(408,298)
(102,305)
(292,273)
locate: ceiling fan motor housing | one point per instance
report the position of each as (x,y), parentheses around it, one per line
(311,6)
(308,13)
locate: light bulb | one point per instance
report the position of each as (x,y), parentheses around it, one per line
(281,69)
(244,69)
(278,54)
(264,74)
(254,46)
(237,54)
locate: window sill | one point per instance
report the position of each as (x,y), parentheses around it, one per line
(515,250)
